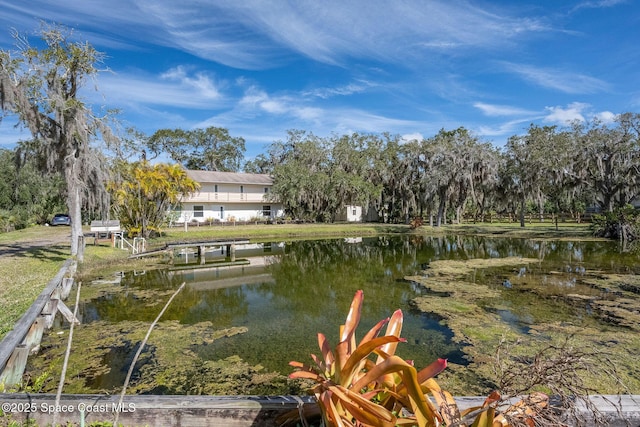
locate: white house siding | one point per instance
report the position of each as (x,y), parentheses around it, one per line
(350,213)
(226,196)
(354,213)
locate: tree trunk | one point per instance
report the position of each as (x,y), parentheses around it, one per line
(522,203)
(75,212)
(440,212)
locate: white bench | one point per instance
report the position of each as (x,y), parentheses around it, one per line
(105,229)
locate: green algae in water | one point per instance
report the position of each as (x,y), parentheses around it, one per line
(307,286)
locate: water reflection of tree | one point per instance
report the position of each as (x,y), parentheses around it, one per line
(332,270)
(141,296)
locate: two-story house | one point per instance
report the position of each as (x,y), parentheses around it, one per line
(229,196)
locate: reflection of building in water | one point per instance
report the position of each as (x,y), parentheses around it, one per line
(249,266)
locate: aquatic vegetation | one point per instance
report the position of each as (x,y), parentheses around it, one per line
(461,297)
(483,327)
(169,364)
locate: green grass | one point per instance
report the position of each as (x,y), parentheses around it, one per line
(24,272)
(535,229)
(279,231)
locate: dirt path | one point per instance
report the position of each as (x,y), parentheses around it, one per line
(43,238)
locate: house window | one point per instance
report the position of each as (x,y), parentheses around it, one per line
(266,210)
(353,212)
(215,188)
(241,189)
(198,211)
(266,190)
(221,212)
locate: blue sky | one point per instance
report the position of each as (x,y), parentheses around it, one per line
(259,67)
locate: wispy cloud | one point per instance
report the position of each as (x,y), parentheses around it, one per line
(563,81)
(258,34)
(346,90)
(329,31)
(174,88)
(264,34)
(598,4)
(201,83)
(493,110)
(502,129)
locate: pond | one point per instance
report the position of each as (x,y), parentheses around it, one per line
(244,315)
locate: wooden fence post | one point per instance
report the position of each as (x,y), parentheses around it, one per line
(34,336)
(12,374)
(67,283)
(49,312)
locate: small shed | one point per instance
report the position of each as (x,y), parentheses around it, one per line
(350,213)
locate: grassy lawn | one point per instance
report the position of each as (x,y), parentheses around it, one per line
(25,269)
(279,231)
(28,261)
(513,229)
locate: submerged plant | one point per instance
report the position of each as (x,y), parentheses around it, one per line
(366,384)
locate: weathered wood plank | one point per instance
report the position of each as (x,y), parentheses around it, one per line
(232,411)
(67,313)
(67,284)
(49,312)
(34,336)
(17,334)
(14,369)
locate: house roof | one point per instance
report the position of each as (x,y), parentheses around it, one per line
(217,177)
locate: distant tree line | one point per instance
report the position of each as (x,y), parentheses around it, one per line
(548,170)
(76,163)
(443,178)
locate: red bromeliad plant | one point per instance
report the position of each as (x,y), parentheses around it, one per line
(353,390)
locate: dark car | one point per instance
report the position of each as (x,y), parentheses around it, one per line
(60,219)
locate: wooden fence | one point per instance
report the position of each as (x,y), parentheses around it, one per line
(25,336)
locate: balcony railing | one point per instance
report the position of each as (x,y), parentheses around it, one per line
(228,197)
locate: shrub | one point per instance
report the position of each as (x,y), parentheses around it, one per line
(622,224)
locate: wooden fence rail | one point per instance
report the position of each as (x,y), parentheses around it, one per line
(25,336)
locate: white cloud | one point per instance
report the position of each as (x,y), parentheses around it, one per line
(309,113)
(331,30)
(415,136)
(573,112)
(600,4)
(349,89)
(606,117)
(258,34)
(502,129)
(173,88)
(202,83)
(500,110)
(577,111)
(563,81)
